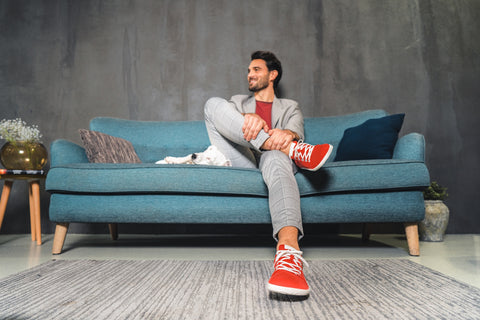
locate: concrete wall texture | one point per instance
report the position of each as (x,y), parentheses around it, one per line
(65,62)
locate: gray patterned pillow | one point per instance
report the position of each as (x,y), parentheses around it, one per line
(104,148)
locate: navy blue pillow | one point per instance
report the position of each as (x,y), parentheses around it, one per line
(373,139)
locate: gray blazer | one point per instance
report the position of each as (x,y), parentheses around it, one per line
(286,113)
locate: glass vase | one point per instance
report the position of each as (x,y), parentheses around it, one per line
(20,155)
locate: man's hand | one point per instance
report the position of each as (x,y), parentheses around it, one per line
(279,139)
(252,125)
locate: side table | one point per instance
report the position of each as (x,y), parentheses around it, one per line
(33,177)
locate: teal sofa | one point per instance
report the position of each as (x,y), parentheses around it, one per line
(360,191)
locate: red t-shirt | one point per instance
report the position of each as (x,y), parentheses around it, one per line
(264,110)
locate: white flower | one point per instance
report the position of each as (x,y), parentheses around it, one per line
(17,130)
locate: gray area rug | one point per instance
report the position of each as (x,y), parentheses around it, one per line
(167,289)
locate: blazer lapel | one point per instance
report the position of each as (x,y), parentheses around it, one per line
(250,105)
(277,111)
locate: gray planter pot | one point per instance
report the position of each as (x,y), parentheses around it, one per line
(433,227)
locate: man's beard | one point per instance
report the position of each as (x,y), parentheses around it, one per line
(259,85)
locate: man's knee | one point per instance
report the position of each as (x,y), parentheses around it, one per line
(274,162)
(212,104)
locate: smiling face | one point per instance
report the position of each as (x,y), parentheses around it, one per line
(259,77)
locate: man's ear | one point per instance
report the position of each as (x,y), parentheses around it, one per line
(273,75)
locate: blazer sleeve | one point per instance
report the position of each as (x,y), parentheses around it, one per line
(287,115)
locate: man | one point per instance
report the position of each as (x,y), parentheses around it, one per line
(262,131)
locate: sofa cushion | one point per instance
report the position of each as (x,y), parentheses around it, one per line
(334,177)
(364,176)
(104,148)
(373,139)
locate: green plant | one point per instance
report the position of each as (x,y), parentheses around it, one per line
(435,192)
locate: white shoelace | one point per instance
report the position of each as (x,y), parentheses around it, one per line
(282,263)
(303,151)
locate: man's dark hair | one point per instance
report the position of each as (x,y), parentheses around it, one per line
(272,63)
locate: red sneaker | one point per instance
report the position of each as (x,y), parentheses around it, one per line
(308,156)
(288,276)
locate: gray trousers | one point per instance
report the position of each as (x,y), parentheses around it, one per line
(224,125)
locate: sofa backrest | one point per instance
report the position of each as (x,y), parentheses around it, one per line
(321,130)
(154,140)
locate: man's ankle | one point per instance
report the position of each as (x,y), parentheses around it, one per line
(286,150)
(289,236)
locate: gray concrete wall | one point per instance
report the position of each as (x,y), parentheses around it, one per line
(65,62)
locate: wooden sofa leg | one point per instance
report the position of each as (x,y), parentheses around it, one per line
(59,239)
(411,231)
(367,230)
(113,227)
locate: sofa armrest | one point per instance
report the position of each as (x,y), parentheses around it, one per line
(64,152)
(410,147)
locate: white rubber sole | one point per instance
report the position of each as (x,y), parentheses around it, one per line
(287,291)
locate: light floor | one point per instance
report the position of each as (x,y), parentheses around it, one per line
(458,256)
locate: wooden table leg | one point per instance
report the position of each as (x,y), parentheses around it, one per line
(35,186)
(7,186)
(31,201)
